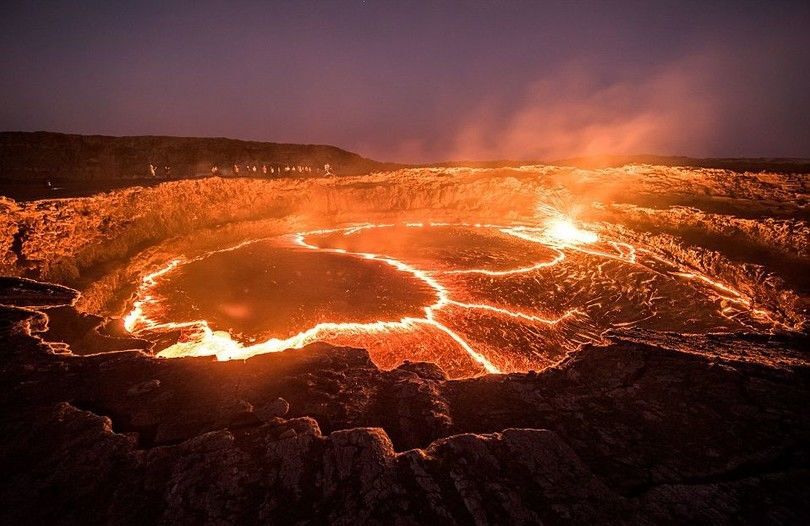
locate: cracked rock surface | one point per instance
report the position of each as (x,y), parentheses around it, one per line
(653,428)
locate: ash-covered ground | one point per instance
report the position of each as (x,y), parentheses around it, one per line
(645,362)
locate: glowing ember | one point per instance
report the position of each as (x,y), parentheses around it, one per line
(565,231)
(525,297)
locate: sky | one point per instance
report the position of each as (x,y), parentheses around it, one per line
(415,81)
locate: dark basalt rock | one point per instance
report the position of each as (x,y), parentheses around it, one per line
(650,429)
(87,333)
(23,292)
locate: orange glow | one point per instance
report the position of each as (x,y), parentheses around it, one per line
(565,231)
(558,234)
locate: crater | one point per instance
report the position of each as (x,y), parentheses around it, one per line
(472,298)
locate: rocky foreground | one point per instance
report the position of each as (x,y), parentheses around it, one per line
(710,429)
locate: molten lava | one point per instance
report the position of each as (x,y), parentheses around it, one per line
(523,297)
(564,231)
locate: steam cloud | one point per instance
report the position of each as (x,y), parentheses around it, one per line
(704,105)
(571,114)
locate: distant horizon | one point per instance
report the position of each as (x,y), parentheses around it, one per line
(605,156)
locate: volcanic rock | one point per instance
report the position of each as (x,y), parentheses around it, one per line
(273,409)
(631,432)
(640,427)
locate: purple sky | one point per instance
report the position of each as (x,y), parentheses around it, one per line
(419,81)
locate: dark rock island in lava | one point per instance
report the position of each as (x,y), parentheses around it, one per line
(468,345)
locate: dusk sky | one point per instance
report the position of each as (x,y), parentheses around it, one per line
(420,81)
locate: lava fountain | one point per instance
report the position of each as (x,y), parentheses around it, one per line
(565,231)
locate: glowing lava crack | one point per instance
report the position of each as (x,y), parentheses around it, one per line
(556,238)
